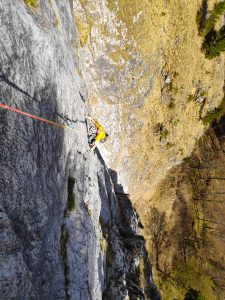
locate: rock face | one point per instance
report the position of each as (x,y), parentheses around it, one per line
(152,86)
(149,83)
(65,232)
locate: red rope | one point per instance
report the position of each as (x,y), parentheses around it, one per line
(31,116)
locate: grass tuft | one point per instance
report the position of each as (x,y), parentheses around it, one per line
(56,20)
(32,3)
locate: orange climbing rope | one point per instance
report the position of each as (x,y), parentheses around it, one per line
(4,106)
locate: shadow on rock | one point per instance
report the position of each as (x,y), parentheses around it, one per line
(127,267)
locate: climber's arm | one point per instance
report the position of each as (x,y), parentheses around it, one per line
(90,118)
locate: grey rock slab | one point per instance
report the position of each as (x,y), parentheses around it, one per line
(55,241)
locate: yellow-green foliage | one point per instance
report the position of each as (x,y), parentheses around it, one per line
(56,20)
(214,42)
(185,276)
(32,3)
(169,145)
(190,98)
(214,16)
(102,244)
(190,275)
(215,114)
(199,220)
(164,133)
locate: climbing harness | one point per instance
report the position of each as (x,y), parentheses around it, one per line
(92,130)
(4,106)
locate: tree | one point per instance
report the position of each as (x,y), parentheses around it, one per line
(157,231)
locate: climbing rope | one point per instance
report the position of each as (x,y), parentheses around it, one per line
(4,106)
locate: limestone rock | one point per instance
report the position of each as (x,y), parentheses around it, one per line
(59,216)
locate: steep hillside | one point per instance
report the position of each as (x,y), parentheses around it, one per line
(67,231)
(189,205)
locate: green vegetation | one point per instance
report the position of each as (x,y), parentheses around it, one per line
(201,16)
(193,295)
(187,280)
(157,230)
(175,74)
(203,94)
(190,98)
(215,114)
(63,242)
(190,276)
(176,122)
(102,244)
(206,25)
(176,89)
(172,104)
(212,116)
(164,133)
(169,145)
(214,17)
(56,20)
(32,3)
(214,41)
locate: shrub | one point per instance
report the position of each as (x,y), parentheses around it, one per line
(193,295)
(215,114)
(164,133)
(32,3)
(56,20)
(171,104)
(206,25)
(169,145)
(214,41)
(190,98)
(201,16)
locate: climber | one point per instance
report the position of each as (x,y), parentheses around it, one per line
(101,135)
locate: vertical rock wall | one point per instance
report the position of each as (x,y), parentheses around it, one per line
(64,233)
(150,83)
